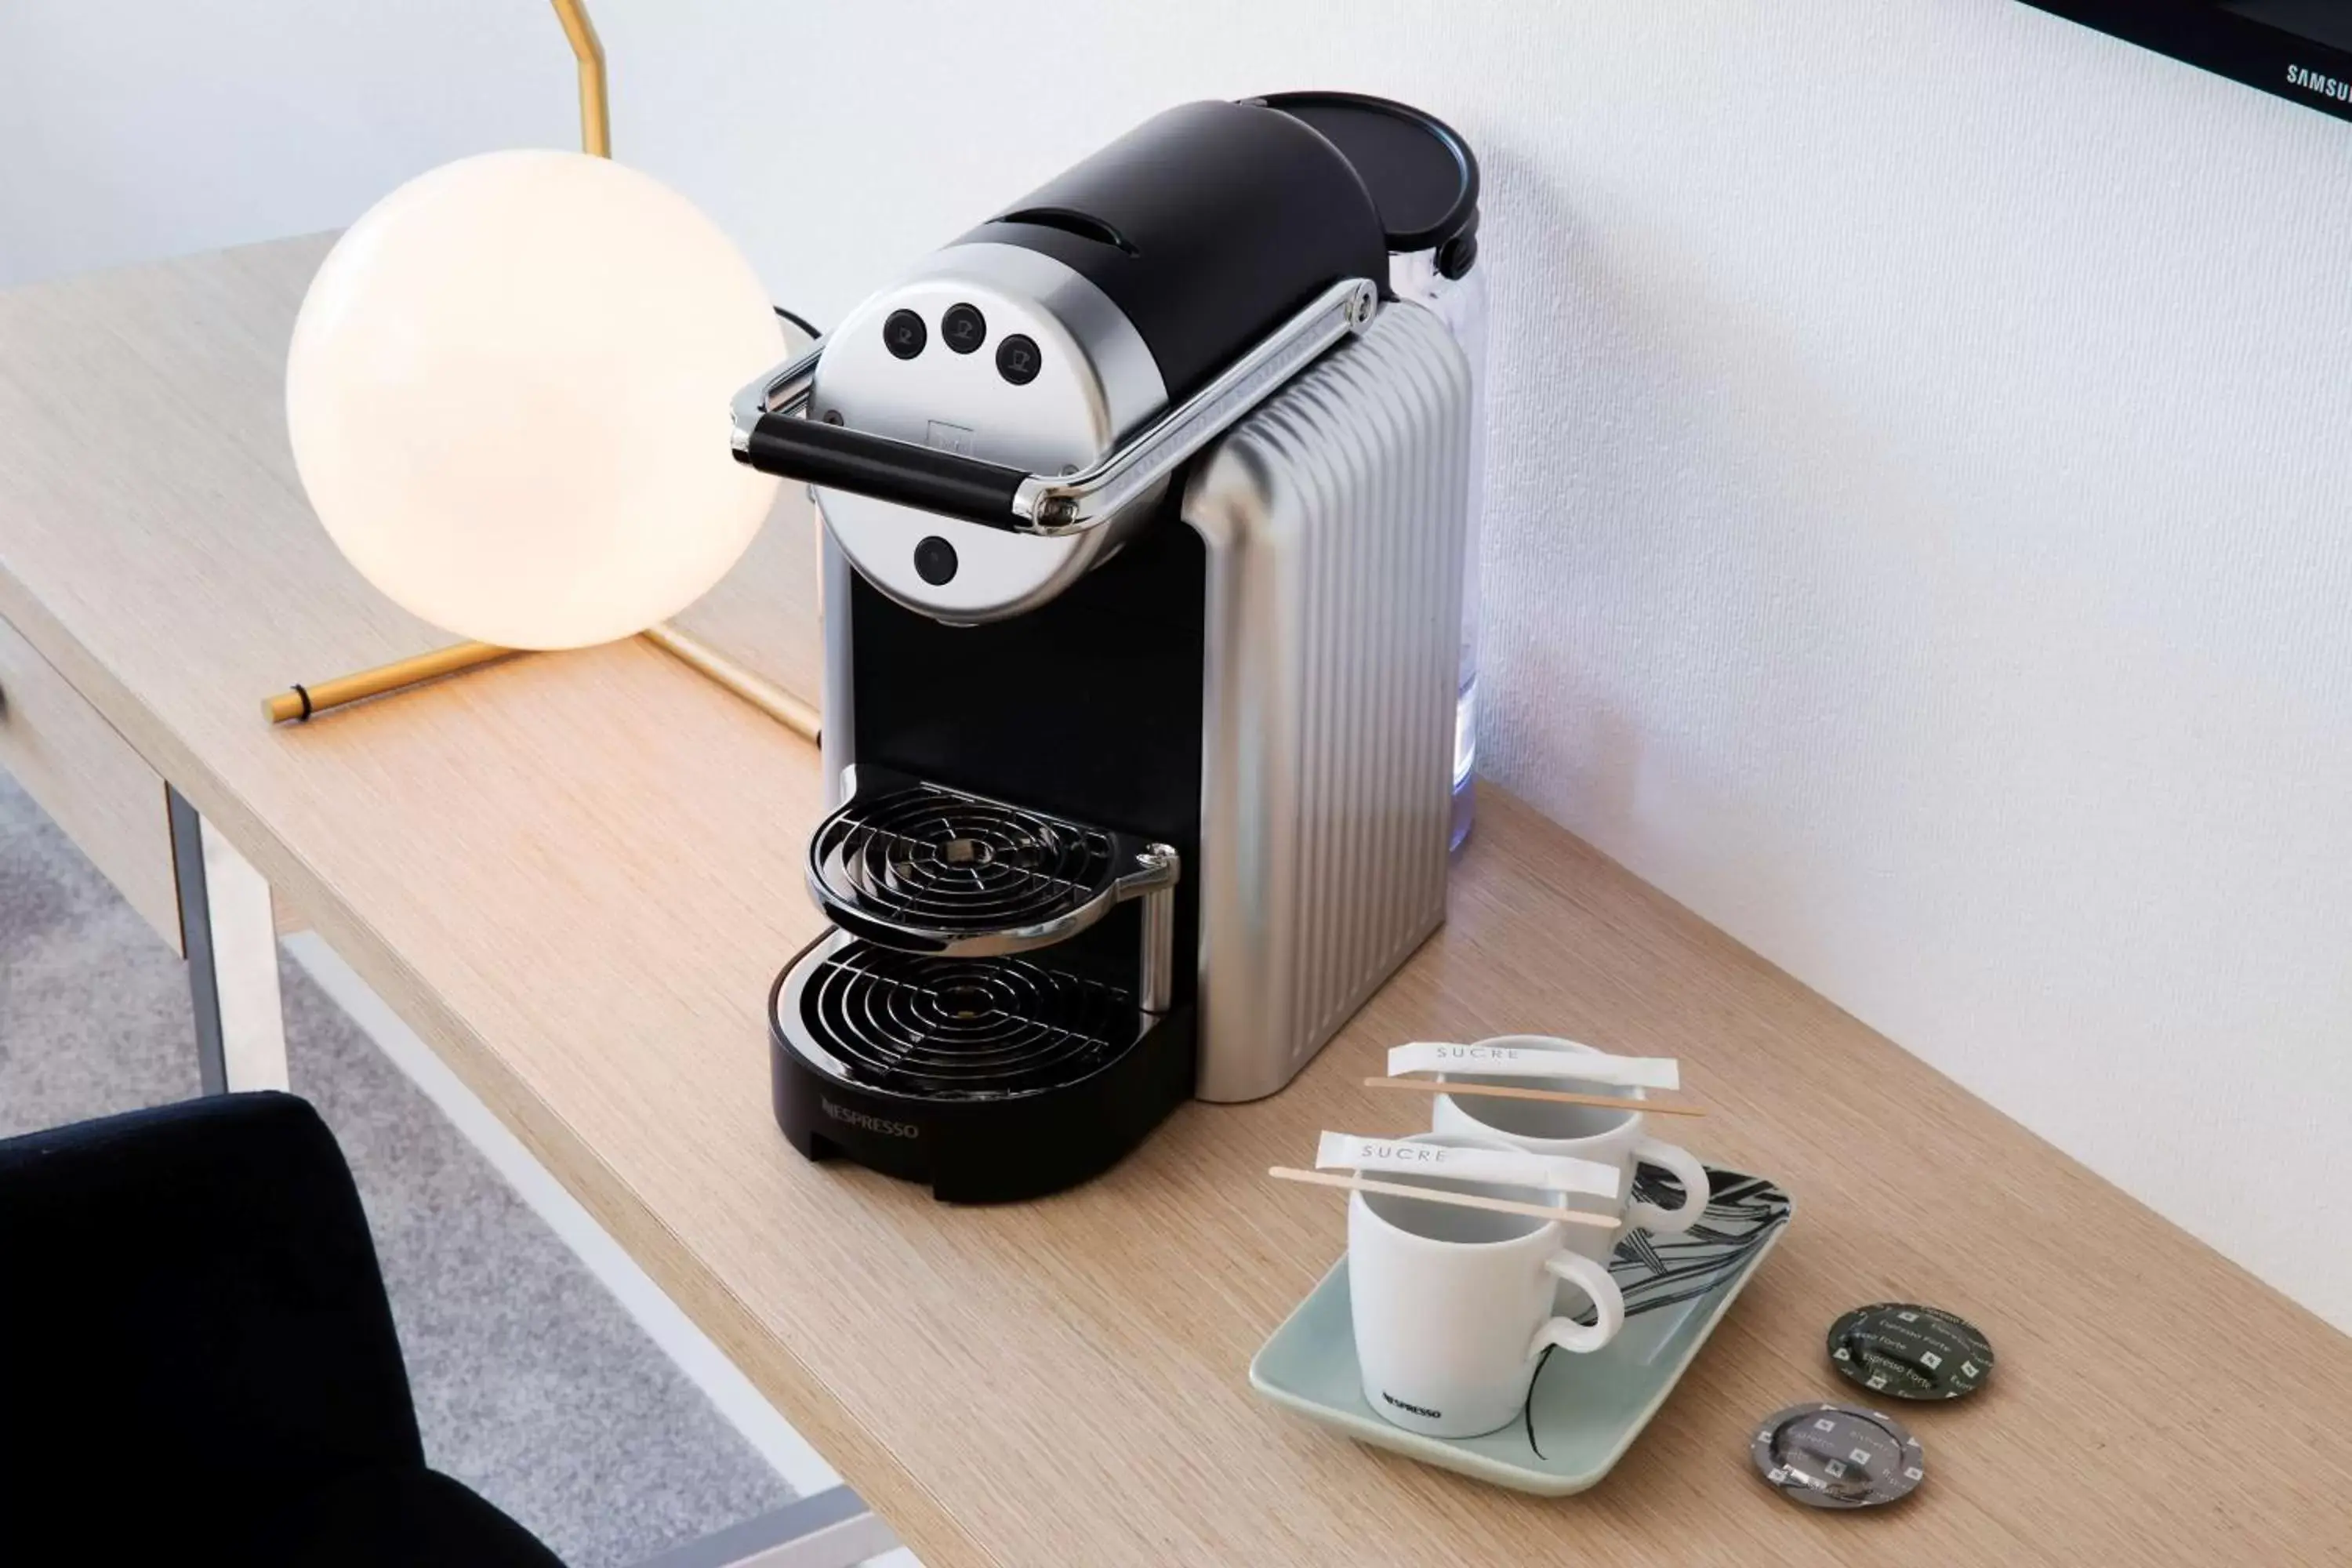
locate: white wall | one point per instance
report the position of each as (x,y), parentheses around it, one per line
(1918,533)
(131,128)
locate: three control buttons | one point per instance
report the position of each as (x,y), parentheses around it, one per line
(964,330)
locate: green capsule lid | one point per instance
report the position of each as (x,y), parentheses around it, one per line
(1909,1351)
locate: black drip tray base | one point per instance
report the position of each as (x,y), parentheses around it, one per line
(989,1079)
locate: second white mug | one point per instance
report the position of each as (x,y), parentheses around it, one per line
(1616,1137)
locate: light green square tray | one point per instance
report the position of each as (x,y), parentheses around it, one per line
(1584,1411)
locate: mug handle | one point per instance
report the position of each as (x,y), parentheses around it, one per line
(1591,1276)
(1684,1167)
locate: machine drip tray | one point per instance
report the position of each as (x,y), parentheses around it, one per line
(961,1028)
(992,1079)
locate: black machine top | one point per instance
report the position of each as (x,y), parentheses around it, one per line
(1207,226)
(1421,175)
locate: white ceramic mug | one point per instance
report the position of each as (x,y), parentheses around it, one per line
(1581,1132)
(1453,1307)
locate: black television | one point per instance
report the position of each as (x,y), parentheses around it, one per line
(2299,49)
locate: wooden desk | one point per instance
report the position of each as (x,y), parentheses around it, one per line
(575,877)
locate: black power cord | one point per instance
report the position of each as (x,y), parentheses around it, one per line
(802,322)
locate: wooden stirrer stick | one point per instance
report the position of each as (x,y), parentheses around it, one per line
(1550,1095)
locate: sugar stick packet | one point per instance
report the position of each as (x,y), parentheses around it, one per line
(1535,1061)
(1510,1167)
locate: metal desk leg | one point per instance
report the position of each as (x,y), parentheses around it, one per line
(831,1528)
(231,939)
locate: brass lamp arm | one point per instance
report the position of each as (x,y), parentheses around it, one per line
(596,117)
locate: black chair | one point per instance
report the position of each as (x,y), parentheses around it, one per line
(197,1361)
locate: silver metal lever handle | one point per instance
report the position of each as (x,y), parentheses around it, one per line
(783,390)
(1056,505)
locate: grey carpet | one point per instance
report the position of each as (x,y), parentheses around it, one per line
(533,1385)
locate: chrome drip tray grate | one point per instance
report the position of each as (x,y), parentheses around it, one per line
(928,868)
(937,859)
(959,1028)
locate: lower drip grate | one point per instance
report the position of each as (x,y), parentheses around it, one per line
(962,1028)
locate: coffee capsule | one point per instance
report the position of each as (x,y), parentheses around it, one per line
(1834,1455)
(1910,1352)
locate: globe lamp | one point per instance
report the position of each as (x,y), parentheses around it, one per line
(506,394)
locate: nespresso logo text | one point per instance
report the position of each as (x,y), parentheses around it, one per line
(1412,1409)
(871,1123)
(2325,86)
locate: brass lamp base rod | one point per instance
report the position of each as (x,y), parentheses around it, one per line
(301,702)
(755,689)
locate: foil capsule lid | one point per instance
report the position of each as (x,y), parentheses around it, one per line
(1910,1352)
(1837,1457)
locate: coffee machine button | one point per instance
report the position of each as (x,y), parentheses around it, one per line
(904,333)
(935,561)
(1016,359)
(963,327)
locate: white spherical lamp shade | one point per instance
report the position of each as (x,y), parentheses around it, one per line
(507,397)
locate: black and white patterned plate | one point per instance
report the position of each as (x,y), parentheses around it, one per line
(1659,1271)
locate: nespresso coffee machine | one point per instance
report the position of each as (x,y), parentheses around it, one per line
(1144,505)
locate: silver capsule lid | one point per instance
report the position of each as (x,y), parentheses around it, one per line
(1837,1457)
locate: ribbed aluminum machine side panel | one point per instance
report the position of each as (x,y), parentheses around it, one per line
(1334,517)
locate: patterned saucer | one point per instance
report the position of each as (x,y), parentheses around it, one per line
(1584,1411)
